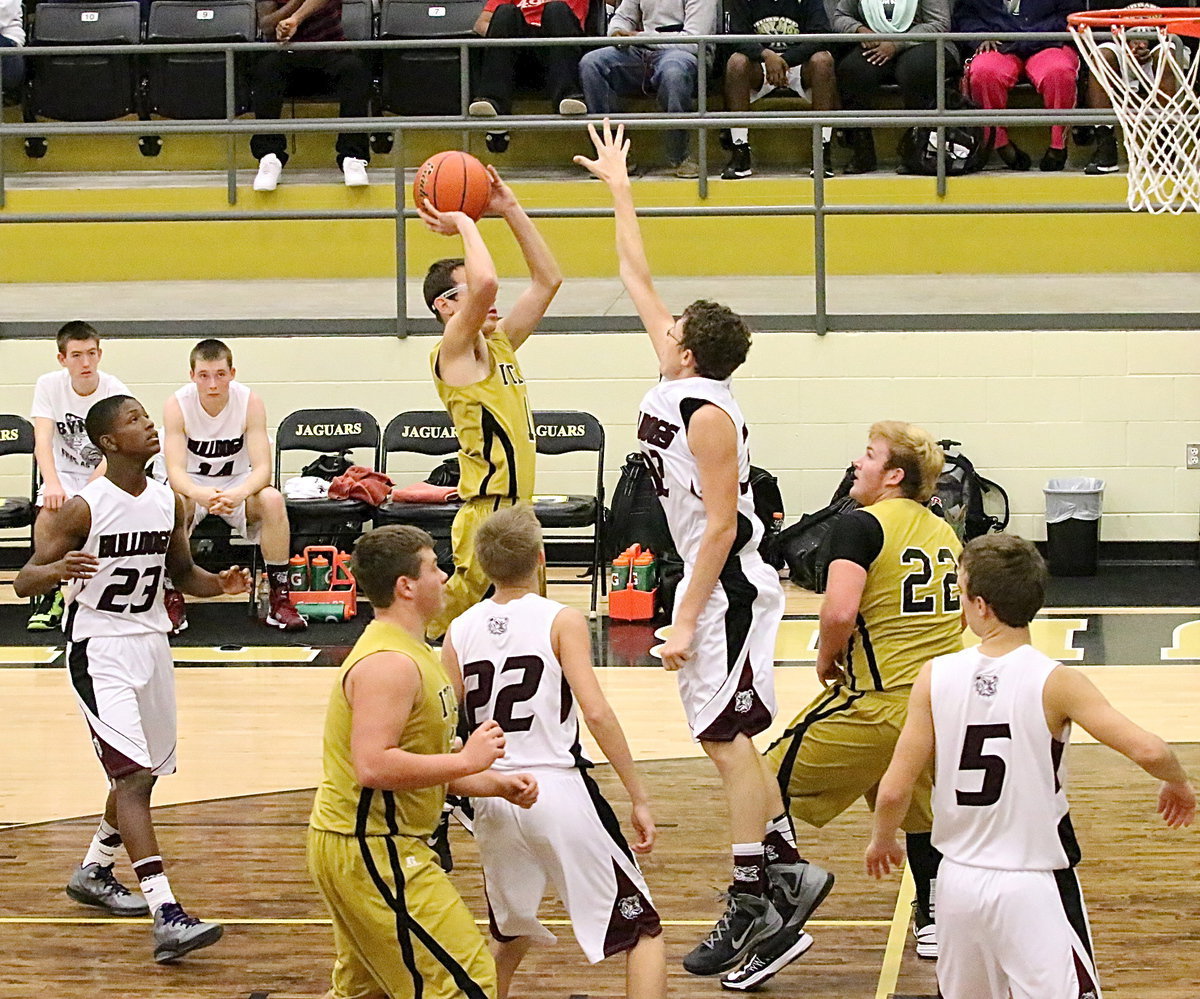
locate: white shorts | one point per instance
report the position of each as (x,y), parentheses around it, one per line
(1024,931)
(728,686)
(795,82)
(125,688)
(569,839)
(71,482)
(236,520)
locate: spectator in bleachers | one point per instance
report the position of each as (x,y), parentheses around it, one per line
(668,71)
(12,35)
(308,21)
(996,67)
(869,65)
(755,70)
(498,67)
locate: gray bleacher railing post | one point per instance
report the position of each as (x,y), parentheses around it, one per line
(820,308)
(464,92)
(401,235)
(940,84)
(702,110)
(231,139)
(1,133)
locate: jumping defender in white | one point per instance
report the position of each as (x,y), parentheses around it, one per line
(218,460)
(113,543)
(997,721)
(525,662)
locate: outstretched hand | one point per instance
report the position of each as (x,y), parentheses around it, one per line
(501,199)
(234,580)
(612,152)
(443,223)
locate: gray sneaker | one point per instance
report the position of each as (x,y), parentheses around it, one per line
(176,933)
(96,885)
(747,920)
(797,890)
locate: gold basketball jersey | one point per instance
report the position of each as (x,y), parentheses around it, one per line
(494,424)
(910,609)
(342,805)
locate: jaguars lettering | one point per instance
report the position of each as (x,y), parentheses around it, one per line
(574,430)
(9,435)
(328,429)
(428,433)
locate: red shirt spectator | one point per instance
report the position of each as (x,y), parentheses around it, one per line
(531,10)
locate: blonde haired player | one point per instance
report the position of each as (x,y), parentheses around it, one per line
(526,663)
(891,602)
(996,720)
(399,927)
(479,380)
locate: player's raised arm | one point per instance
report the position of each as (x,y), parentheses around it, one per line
(914,750)
(479,296)
(382,689)
(546,278)
(612,149)
(1071,696)
(57,558)
(573,648)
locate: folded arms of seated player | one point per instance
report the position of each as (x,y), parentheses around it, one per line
(572,645)
(57,558)
(382,689)
(218,501)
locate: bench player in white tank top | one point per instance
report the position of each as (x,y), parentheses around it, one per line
(218,459)
(525,662)
(997,719)
(728,605)
(114,543)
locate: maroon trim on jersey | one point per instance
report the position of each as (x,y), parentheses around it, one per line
(116,764)
(633,916)
(493,927)
(744,712)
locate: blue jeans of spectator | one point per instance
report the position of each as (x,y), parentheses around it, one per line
(609,73)
(12,68)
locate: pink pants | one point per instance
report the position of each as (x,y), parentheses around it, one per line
(991,75)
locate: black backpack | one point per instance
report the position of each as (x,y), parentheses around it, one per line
(636,516)
(804,546)
(959,497)
(968,147)
(768,506)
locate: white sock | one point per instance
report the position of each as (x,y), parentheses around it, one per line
(827,134)
(105,845)
(741,136)
(155,887)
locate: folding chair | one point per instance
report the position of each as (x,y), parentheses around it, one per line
(16,512)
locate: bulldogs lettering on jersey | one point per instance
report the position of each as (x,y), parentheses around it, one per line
(216,445)
(998,798)
(511,674)
(662,436)
(129,536)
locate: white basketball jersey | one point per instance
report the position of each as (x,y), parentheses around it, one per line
(216,445)
(55,399)
(510,673)
(998,796)
(129,536)
(662,436)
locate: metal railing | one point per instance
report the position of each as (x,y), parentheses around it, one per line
(701,120)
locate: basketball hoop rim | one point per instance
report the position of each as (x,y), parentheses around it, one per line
(1176,20)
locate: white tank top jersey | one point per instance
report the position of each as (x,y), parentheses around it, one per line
(662,436)
(129,536)
(55,399)
(998,798)
(511,674)
(216,445)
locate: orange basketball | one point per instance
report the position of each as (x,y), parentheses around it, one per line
(454,182)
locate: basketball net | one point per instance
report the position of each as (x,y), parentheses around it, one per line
(1160,128)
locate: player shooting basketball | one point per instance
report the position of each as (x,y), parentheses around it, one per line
(477,376)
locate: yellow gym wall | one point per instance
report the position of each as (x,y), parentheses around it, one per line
(1028,406)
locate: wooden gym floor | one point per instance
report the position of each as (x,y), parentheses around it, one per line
(232,827)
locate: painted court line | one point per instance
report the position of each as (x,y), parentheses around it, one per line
(889,974)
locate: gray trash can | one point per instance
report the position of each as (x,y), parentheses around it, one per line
(1073,525)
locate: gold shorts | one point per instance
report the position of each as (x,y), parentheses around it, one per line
(397,920)
(837,749)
